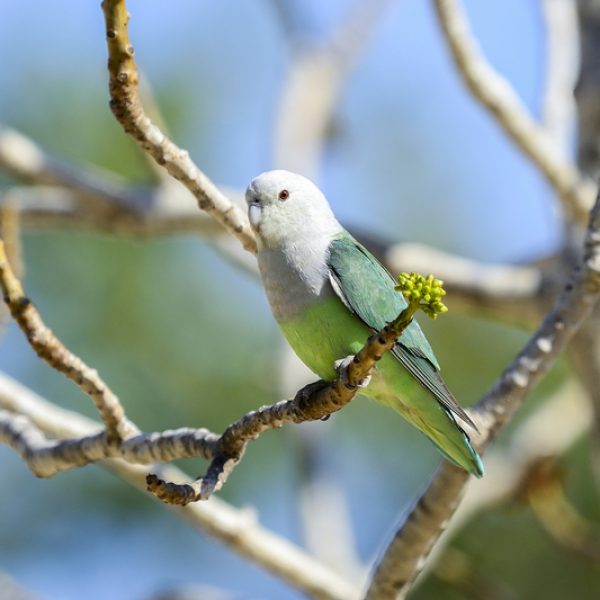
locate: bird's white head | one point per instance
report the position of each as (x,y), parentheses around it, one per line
(286,207)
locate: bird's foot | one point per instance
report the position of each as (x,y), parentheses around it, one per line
(341,367)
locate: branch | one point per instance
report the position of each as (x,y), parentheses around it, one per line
(238,529)
(315,401)
(405,555)
(559,113)
(127,108)
(518,294)
(25,161)
(496,94)
(48,457)
(551,430)
(588,88)
(315,81)
(50,349)
(99,202)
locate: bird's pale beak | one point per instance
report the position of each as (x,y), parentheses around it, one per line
(254,214)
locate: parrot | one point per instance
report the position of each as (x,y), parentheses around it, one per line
(328,294)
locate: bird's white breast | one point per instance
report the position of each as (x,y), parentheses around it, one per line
(295,275)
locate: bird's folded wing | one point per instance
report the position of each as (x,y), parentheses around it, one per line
(367,289)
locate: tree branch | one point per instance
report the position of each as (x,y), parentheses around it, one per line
(237,529)
(551,430)
(315,80)
(496,94)
(518,294)
(405,556)
(559,113)
(128,110)
(50,349)
(316,401)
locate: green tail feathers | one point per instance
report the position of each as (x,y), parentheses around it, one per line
(465,456)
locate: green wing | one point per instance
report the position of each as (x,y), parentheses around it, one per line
(367,289)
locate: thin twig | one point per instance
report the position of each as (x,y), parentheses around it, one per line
(405,555)
(50,349)
(497,95)
(128,110)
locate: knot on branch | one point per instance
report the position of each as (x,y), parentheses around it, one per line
(171,493)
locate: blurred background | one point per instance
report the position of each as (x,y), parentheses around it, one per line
(407,156)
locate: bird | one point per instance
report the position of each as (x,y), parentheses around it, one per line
(328,294)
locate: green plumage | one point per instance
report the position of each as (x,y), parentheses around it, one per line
(406,379)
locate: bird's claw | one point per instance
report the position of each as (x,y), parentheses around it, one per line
(341,367)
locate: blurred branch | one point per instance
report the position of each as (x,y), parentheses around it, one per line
(127,108)
(238,529)
(25,161)
(50,349)
(496,94)
(562,70)
(517,294)
(551,430)
(10,232)
(542,487)
(588,88)
(315,80)
(405,556)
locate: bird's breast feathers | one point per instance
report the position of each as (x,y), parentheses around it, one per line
(295,276)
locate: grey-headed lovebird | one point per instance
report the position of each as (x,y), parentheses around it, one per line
(328,294)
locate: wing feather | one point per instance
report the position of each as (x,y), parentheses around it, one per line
(367,289)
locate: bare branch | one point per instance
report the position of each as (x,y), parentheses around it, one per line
(588,88)
(127,108)
(315,401)
(561,421)
(562,70)
(10,232)
(25,161)
(496,94)
(50,349)
(315,81)
(46,458)
(517,294)
(405,556)
(238,529)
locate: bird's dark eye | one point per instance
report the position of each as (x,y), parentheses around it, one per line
(284,195)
